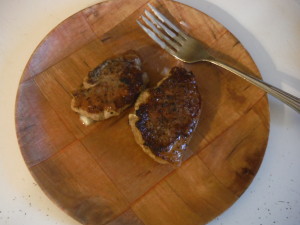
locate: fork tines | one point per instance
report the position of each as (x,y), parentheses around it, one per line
(162,30)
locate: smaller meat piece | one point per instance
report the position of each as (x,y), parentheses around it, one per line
(110,88)
(166,116)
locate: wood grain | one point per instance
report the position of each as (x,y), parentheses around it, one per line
(75,178)
(98,174)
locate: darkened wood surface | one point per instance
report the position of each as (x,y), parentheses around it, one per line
(98,174)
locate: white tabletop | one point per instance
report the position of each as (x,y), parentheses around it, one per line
(270,31)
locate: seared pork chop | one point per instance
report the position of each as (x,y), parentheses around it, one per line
(110,88)
(166,116)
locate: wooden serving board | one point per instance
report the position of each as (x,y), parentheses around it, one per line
(98,174)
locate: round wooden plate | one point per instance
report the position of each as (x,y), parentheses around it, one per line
(98,174)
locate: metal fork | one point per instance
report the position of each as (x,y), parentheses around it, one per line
(189,50)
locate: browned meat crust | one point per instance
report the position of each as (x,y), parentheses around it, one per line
(167,115)
(110,88)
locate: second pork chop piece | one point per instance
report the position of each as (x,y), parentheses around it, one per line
(110,88)
(166,116)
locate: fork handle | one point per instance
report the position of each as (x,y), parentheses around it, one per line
(285,97)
